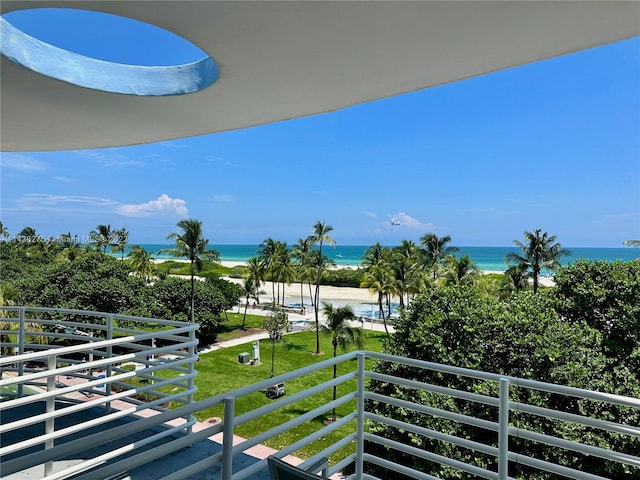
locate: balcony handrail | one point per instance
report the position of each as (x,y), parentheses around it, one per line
(516,381)
(91,313)
(358,393)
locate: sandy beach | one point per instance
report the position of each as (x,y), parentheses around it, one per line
(359,298)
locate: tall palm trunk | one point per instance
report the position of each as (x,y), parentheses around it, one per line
(384,320)
(536,274)
(311,297)
(319,276)
(244,318)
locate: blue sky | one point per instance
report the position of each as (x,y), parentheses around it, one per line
(552,145)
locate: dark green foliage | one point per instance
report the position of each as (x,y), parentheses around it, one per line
(231,292)
(342,278)
(209,268)
(522,337)
(16,264)
(170,298)
(607,297)
(99,282)
(93,281)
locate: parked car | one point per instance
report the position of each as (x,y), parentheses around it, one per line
(275,391)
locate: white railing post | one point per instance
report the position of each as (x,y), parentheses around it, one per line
(90,392)
(49,425)
(360,417)
(227,438)
(109,370)
(192,352)
(503,430)
(20,349)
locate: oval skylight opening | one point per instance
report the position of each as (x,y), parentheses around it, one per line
(105,52)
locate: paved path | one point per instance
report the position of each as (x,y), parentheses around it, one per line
(297,319)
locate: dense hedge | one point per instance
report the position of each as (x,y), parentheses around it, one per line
(583,334)
(100,282)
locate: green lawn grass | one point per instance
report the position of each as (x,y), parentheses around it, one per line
(11,391)
(220,372)
(228,330)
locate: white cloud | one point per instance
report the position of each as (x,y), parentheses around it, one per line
(110,159)
(164,204)
(623,216)
(44,201)
(62,179)
(371,214)
(223,197)
(408,221)
(17,161)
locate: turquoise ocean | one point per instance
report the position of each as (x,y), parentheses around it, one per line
(486,258)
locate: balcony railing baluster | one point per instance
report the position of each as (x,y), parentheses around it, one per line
(114,352)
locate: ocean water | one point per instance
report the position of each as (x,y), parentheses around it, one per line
(486,258)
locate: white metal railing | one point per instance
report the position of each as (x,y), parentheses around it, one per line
(81,361)
(363,442)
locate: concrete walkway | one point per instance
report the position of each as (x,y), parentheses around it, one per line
(296,319)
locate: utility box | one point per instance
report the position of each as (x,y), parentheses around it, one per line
(256,353)
(243,357)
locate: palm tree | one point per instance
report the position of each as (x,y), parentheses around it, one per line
(375,255)
(269,251)
(27,237)
(142,262)
(378,280)
(4,233)
(70,253)
(302,253)
(191,244)
(101,237)
(122,237)
(256,272)
(379,257)
(39,248)
(320,236)
(460,271)
(67,240)
(285,269)
(539,252)
(632,243)
(248,290)
(342,334)
(435,250)
(404,260)
(515,280)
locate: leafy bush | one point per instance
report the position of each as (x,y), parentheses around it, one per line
(209,268)
(522,337)
(607,297)
(342,277)
(96,281)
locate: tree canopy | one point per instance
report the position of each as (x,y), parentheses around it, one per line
(523,336)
